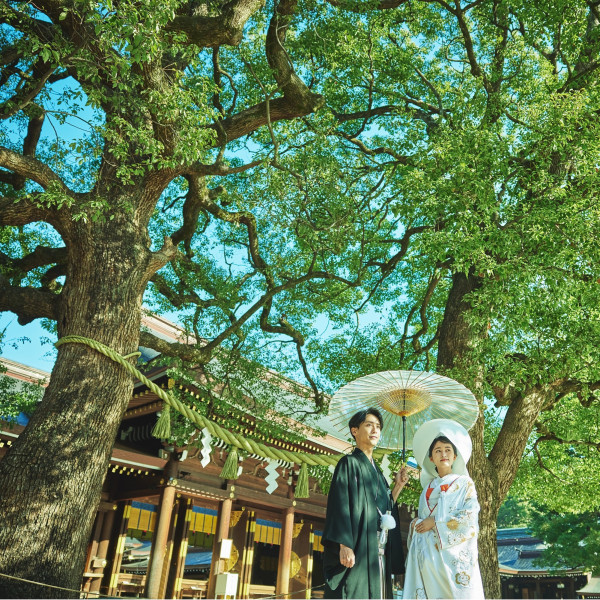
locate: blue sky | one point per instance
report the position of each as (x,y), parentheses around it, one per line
(24,344)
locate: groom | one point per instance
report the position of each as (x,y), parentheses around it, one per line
(360,554)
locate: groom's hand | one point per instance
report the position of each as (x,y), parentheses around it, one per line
(347,556)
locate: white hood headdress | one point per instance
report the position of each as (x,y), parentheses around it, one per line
(455,432)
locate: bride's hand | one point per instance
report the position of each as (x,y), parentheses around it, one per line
(425,525)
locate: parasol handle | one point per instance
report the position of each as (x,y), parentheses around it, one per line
(403,438)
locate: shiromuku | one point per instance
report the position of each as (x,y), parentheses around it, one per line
(442,559)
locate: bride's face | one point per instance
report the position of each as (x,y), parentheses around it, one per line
(443,457)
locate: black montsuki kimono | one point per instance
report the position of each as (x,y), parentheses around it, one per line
(352,519)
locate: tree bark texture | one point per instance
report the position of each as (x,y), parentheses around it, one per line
(51,479)
(486,482)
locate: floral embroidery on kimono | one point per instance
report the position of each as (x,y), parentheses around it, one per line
(443,562)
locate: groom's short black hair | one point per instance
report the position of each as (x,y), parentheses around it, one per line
(361,416)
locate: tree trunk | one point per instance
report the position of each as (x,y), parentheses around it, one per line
(456,341)
(486,483)
(51,479)
(456,335)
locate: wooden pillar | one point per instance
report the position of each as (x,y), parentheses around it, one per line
(180,546)
(103,543)
(95,541)
(160,540)
(285,553)
(309,563)
(301,563)
(119,548)
(222,533)
(247,558)
(92,553)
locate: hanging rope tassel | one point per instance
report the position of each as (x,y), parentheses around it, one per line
(162,429)
(230,468)
(302,484)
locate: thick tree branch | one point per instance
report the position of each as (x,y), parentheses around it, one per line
(248,220)
(424,112)
(192,208)
(476,70)
(161,257)
(26,302)
(359,7)
(388,266)
(22,212)
(549,436)
(388,109)
(191,353)
(512,439)
(297,99)
(32,86)
(541,463)
(25,23)
(180,299)
(398,158)
(285,328)
(249,120)
(34,131)
(41,256)
(33,169)
(551,55)
(268,296)
(48,279)
(422,307)
(588,60)
(211,31)
(583,390)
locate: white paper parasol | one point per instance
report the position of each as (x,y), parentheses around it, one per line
(406,400)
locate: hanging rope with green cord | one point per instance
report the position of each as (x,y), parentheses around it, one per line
(235,441)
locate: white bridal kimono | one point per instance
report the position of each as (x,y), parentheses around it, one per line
(442,562)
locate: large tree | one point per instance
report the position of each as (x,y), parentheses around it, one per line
(255,167)
(495,260)
(92,221)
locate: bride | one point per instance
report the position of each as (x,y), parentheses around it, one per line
(442,542)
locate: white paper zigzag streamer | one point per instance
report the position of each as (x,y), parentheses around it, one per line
(271,478)
(385,466)
(206,449)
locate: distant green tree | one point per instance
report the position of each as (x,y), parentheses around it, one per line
(515,512)
(495,266)
(17,397)
(155,152)
(573,540)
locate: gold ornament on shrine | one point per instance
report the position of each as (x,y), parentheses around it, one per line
(295,565)
(235,517)
(233,558)
(297,529)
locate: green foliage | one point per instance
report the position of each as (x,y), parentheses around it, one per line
(229,390)
(559,470)
(516,512)
(450,141)
(573,540)
(17,397)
